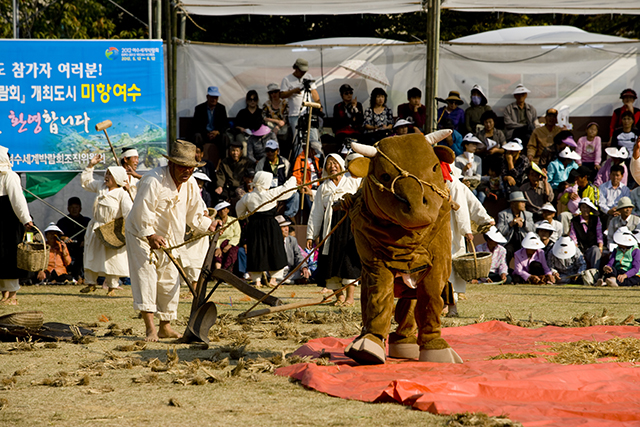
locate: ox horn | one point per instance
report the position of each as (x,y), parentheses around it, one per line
(437,136)
(365,150)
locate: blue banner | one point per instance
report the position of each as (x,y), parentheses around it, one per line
(54,92)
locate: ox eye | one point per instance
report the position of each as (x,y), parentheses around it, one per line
(435,167)
(385,177)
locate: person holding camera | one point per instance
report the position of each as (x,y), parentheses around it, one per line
(297,88)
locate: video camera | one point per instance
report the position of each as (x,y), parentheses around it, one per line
(306,83)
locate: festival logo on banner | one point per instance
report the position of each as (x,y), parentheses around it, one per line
(53,93)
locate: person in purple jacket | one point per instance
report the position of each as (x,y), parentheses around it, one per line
(624,263)
(530,262)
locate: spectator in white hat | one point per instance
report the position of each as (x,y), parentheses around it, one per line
(59,258)
(210,123)
(544,230)
(129,161)
(294,253)
(624,218)
(514,164)
(493,244)
(617,156)
(624,262)
(548,213)
(478,106)
(612,191)
(202,179)
(559,169)
(226,252)
(537,189)
(530,264)
(514,223)
(586,232)
(471,165)
(520,118)
(566,261)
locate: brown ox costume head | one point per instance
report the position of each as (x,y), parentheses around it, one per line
(401,225)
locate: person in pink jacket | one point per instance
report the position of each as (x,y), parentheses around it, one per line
(590,148)
(530,262)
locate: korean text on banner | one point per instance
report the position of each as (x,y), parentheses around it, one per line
(53,93)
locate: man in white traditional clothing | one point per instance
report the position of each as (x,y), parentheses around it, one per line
(129,161)
(14,218)
(168,197)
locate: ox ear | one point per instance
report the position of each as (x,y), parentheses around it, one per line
(359,167)
(445,154)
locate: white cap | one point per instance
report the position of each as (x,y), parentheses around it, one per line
(564,248)
(272,144)
(624,237)
(401,122)
(490,143)
(515,145)
(201,176)
(472,138)
(567,153)
(532,241)
(495,235)
(282,221)
(221,206)
(544,225)
(520,89)
(53,227)
(587,201)
(548,207)
(619,153)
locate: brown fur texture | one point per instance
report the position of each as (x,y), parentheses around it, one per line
(406,232)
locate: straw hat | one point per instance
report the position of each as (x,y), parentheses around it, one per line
(532,241)
(564,248)
(624,237)
(183,153)
(454,96)
(495,235)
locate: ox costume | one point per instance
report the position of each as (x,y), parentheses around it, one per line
(14,213)
(100,260)
(160,208)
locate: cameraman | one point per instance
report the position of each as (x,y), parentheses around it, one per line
(292,88)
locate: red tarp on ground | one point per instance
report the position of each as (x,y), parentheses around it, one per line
(531,391)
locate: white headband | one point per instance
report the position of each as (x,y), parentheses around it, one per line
(130,153)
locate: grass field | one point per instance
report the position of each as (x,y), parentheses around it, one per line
(117,381)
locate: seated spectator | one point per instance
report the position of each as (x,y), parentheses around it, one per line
(624,263)
(520,118)
(294,254)
(470,165)
(452,111)
(536,190)
(378,118)
(348,116)
(586,232)
(314,171)
(628,97)
(624,218)
(494,187)
(566,261)
(568,200)
(453,141)
(559,169)
(530,262)
(275,113)
(72,229)
(544,230)
(635,201)
(210,123)
(226,252)
(256,143)
(548,213)
(514,223)
(627,135)
(562,140)
(493,241)
(414,109)
(247,183)
(279,167)
(249,119)
(514,165)
(208,169)
(611,192)
(478,107)
(617,156)
(231,172)
(572,196)
(59,258)
(590,148)
(403,127)
(492,138)
(541,139)
(202,179)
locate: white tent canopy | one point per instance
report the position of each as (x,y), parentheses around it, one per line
(551,34)
(345,7)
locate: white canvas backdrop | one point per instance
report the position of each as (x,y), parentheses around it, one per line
(588,78)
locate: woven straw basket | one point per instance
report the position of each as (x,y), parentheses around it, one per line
(33,256)
(28,319)
(473,265)
(111,234)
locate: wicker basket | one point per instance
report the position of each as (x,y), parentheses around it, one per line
(111,234)
(28,319)
(33,256)
(473,265)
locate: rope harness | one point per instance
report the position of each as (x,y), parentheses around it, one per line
(404,174)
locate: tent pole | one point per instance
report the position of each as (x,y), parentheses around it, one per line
(174,71)
(431,83)
(150,18)
(16,20)
(159,19)
(169,45)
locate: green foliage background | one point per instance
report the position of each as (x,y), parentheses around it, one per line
(101,19)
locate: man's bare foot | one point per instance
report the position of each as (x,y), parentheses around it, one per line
(152,335)
(166,331)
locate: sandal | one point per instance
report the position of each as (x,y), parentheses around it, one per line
(88,288)
(112,292)
(348,303)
